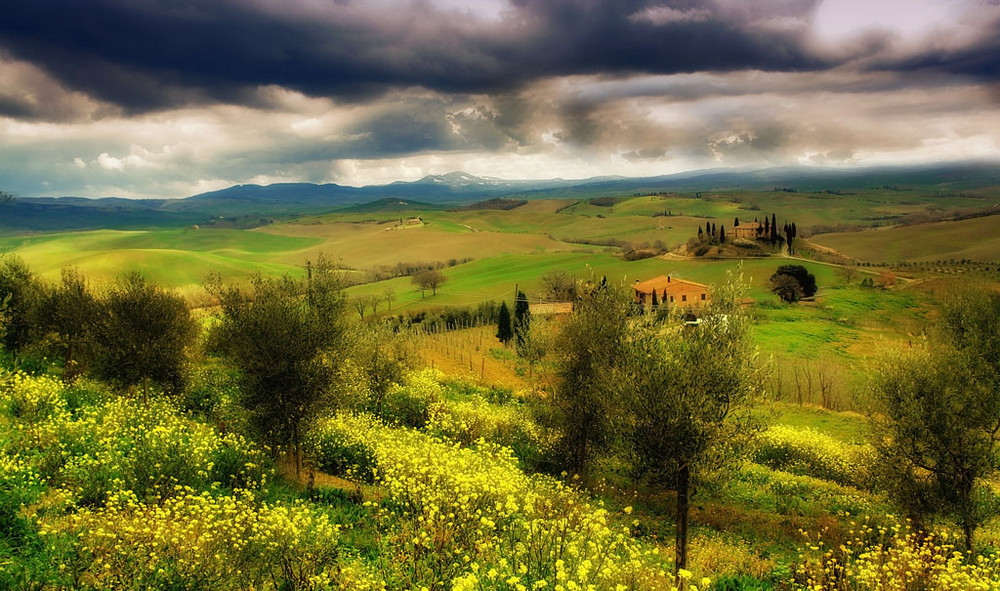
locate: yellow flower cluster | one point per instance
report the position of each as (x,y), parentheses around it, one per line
(807,452)
(31,398)
(473,518)
(119,443)
(893,558)
(469,420)
(197,540)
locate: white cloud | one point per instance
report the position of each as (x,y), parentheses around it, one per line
(110,162)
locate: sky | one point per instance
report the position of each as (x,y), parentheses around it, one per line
(169,98)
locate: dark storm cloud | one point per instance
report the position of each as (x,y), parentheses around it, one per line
(163,53)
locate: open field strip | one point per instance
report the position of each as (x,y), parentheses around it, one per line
(976,239)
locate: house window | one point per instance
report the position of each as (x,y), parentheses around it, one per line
(684,298)
(703,297)
(671,298)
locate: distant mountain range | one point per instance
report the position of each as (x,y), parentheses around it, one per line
(247,204)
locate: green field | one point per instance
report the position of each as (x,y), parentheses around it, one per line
(486,253)
(976,239)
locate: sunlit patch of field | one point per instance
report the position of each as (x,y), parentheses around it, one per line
(174,258)
(975,239)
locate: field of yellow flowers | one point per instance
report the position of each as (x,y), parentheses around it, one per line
(99,491)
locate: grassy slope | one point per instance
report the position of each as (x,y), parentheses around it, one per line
(977,239)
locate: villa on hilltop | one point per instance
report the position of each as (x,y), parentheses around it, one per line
(670,291)
(747,230)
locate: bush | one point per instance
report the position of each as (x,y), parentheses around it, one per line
(807,452)
(409,403)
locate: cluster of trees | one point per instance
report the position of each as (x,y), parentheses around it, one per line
(287,338)
(710,235)
(129,335)
(791,283)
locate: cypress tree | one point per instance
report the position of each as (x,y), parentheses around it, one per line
(722,234)
(522,319)
(655,303)
(504,330)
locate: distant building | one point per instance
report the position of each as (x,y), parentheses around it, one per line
(747,230)
(670,291)
(550,308)
(414,221)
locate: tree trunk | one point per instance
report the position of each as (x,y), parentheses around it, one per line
(969,531)
(683,484)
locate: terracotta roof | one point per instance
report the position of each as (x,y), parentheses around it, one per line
(668,284)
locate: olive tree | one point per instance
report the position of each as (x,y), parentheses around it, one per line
(142,334)
(688,391)
(936,418)
(589,346)
(286,337)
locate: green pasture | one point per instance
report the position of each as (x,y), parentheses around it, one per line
(177,258)
(977,239)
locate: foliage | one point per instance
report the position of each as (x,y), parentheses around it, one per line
(809,452)
(522,322)
(590,344)
(559,286)
(142,334)
(936,434)
(785,289)
(384,357)
(938,417)
(21,292)
(70,312)
(505,331)
(470,518)
(892,558)
(688,391)
(284,336)
(100,492)
(428,279)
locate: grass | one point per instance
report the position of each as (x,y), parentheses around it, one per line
(975,239)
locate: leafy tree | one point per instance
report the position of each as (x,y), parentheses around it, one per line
(23,293)
(384,356)
(805,279)
(589,345)
(522,320)
(505,331)
(142,334)
(390,297)
(429,279)
(70,312)
(937,420)
(285,336)
(559,286)
(786,287)
(688,392)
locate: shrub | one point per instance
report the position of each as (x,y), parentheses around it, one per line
(808,452)
(409,403)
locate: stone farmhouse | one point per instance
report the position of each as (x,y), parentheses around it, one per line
(671,291)
(747,230)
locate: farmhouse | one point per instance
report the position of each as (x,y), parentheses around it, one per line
(748,230)
(550,308)
(670,291)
